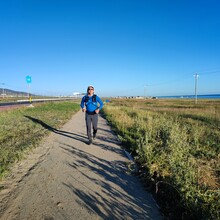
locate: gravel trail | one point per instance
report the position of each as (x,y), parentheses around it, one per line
(65,178)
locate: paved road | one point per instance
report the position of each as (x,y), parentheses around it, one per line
(65,178)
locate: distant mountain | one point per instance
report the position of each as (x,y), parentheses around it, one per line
(9,92)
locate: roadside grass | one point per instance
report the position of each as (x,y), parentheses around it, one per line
(19,133)
(177,147)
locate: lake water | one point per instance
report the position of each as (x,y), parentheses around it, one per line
(212,96)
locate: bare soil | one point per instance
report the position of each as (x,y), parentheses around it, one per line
(65,178)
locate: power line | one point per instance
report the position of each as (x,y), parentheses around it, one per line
(183,77)
(207,73)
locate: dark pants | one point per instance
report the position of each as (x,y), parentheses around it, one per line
(91,122)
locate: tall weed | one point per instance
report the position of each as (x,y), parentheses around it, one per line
(180,153)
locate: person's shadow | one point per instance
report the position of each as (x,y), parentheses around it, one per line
(57,131)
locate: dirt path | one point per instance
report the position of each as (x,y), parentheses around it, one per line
(64,178)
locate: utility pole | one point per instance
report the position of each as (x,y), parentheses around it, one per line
(145,89)
(196,82)
(3,90)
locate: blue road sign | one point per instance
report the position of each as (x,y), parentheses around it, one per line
(28,79)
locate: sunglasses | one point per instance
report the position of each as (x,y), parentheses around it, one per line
(90,89)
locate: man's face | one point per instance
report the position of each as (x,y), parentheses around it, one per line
(90,90)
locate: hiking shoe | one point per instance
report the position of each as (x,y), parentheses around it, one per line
(94,136)
(90,142)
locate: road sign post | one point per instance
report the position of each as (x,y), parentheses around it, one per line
(29,80)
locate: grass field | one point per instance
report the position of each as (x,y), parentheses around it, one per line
(177,147)
(175,143)
(22,129)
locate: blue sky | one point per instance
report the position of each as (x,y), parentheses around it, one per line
(122,47)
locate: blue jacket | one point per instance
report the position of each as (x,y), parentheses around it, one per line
(90,105)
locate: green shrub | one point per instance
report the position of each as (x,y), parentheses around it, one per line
(179,151)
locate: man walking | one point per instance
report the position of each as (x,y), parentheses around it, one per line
(91,104)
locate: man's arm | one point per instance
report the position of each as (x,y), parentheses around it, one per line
(82,105)
(100,104)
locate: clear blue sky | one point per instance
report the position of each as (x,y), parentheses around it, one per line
(122,47)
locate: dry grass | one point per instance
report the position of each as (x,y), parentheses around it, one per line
(178,143)
(23,128)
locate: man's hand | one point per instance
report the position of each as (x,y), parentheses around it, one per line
(83,109)
(97,111)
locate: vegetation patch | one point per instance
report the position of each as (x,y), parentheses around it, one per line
(177,151)
(22,129)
